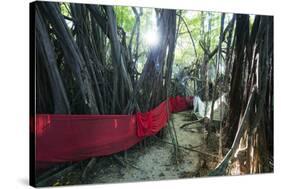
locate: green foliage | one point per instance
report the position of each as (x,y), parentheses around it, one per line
(64,8)
(125,18)
(184,54)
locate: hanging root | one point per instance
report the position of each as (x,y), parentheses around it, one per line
(173,135)
(192,122)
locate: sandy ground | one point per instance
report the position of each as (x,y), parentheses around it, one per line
(156,161)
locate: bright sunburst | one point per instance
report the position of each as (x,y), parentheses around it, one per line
(151,38)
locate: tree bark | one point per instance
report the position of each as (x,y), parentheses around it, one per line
(45,48)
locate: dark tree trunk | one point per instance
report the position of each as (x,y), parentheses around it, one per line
(158,64)
(252,66)
(236,91)
(47,57)
(72,54)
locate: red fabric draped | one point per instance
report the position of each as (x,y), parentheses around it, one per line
(179,103)
(62,138)
(150,123)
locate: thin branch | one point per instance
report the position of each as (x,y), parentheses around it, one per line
(184,22)
(211,54)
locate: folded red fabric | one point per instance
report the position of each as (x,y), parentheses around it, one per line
(150,123)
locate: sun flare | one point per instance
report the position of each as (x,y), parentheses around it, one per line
(151,38)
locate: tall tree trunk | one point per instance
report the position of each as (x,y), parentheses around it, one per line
(46,51)
(71,53)
(160,60)
(236,91)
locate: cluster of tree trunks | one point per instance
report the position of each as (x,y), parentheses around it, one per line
(248,131)
(86,65)
(90,68)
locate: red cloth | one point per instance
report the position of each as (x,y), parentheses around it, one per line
(62,138)
(150,123)
(179,103)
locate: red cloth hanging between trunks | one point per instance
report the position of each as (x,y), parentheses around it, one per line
(65,138)
(150,123)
